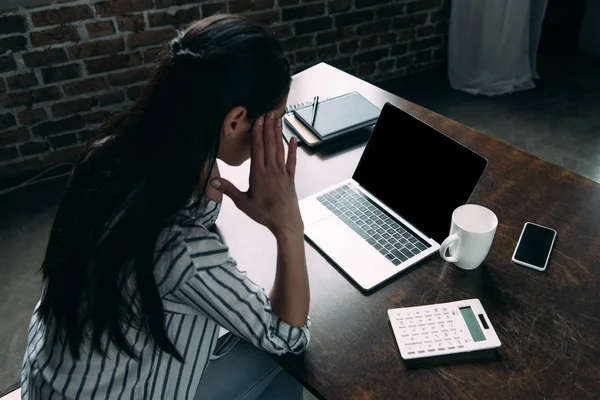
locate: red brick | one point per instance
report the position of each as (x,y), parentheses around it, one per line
(265,17)
(303,11)
(422,5)
(65,140)
(134,92)
(405,35)
(131,23)
(45,58)
(33,164)
(424,31)
(342,62)
(7,63)
(14,136)
(426,43)
(58,35)
(349,47)
(366,69)
(168,3)
(306,56)
(334,36)
(405,61)
(73,106)
(368,42)
(8,153)
(112,63)
(240,6)
(213,8)
(122,7)
(34,147)
(149,38)
(313,25)
(327,52)
(22,81)
(281,31)
(409,21)
(61,15)
(32,116)
(338,6)
(30,97)
(390,10)
(84,135)
(387,38)
(2,85)
(98,117)
(382,25)
(385,66)
(284,3)
(85,86)
(399,49)
(353,18)
(180,17)
(12,43)
(99,29)
(7,120)
(97,48)
(59,126)
(297,42)
(423,57)
(69,154)
(130,76)
(370,56)
(111,98)
(63,73)
(12,24)
(151,54)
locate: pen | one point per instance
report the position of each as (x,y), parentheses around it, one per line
(314,109)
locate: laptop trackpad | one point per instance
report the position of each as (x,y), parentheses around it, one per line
(350,252)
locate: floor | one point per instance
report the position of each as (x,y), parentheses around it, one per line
(558,121)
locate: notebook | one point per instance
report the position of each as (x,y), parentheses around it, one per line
(339,116)
(293,127)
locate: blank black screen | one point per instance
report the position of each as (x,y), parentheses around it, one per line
(422,174)
(535,245)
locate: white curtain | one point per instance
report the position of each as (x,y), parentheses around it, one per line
(493,45)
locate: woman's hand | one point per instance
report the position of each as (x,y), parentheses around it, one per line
(211,192)
(271,199)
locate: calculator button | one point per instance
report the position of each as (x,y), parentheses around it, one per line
(404,332)
(423,329)
(441,326)
(441,346)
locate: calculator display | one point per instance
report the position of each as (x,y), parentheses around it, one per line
(471,321)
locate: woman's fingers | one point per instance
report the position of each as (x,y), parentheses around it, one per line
(291,158)
(280,157)
(269,139)
(257,158)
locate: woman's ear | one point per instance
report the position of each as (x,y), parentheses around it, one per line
(235,122)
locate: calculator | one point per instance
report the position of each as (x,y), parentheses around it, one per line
(442,329)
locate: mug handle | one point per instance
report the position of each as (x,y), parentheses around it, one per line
(444,247)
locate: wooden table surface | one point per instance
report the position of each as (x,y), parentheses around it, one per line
(548,322)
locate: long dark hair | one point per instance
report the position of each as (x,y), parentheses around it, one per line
(141,167)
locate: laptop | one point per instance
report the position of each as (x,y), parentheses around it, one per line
(397,208)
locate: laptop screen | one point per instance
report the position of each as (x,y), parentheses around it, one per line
(420,173)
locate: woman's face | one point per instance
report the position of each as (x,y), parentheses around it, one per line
(236,135)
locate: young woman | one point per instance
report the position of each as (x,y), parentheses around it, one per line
(137,283)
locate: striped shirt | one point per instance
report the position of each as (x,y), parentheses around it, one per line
(202,290)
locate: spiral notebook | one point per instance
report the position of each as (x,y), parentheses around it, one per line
(291,124)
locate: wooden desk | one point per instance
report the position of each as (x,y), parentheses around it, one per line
(548,322)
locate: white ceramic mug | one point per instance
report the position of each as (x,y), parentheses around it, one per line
(471,234)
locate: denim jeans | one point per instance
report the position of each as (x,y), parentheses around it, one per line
(247,373)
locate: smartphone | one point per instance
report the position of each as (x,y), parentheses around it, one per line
(534,246)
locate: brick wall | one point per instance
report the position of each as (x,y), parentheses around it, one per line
(66,66)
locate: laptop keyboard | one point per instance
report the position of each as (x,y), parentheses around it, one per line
(383,233)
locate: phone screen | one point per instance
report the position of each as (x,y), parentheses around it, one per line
(535,245)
